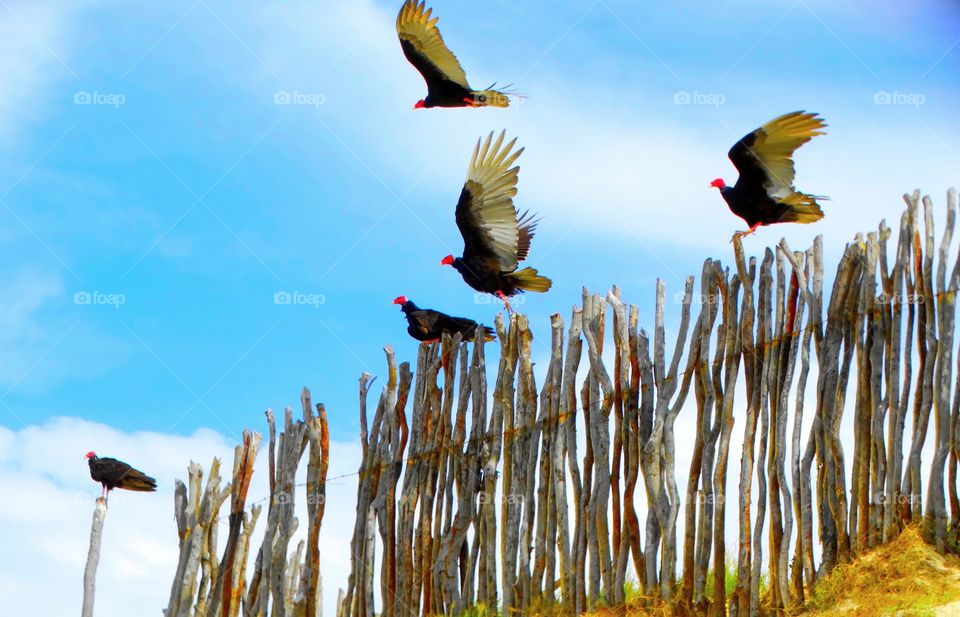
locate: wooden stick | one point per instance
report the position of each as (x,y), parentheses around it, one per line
(93,556)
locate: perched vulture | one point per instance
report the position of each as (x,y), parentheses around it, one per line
(446,82)
(429,326)
(112,474)
(495,237)
(764,193)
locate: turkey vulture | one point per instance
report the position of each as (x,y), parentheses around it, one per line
(495,237)
(112,474)
(429,326)
(446,82)
(764,192)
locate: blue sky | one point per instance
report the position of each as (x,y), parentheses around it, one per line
(186,191)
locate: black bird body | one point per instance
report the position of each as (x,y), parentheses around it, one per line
(496,238)
(111,474)
(429,325)
(752,203)
(486,277)
(764,193)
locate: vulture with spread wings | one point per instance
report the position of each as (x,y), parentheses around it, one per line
(111,474)
(429,326)
(446,81)
(495,237)
(764,193)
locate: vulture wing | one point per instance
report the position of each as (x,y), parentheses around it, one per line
(764,156)
(424,47)
(526,227)
(120,474)
(486,216)
(466,327)
(423,321)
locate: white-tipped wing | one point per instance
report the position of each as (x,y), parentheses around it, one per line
(486,216)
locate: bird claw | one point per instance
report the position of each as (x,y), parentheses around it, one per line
(743,234)
(506,302)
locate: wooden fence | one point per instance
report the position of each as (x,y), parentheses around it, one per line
(281,584)
(556,494)
(484,497)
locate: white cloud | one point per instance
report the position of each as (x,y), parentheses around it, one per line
(33,49)
(51,497)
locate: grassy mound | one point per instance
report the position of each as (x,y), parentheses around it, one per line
(904,577)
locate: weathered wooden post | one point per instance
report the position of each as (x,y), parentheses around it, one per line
(93,556)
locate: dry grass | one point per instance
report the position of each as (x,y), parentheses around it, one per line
(904,577)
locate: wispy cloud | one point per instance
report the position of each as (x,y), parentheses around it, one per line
(34,41)
(43,345)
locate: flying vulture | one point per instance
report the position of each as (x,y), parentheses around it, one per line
(495,237)
(764,193)
(429,326)
(112,474)
(446,82)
